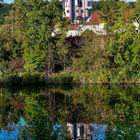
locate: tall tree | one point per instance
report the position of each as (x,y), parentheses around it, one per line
(138,11)
(10,42)
(110,11)
(4,10)
(123,45)
(44,29)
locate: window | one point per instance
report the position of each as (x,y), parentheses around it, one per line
(67,11)
(79,3)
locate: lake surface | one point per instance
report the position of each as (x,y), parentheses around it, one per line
(70,113)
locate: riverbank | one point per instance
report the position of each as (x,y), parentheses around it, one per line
(70,77)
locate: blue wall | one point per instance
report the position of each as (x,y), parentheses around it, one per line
(72,18)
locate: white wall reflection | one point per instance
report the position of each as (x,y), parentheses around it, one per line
(83,131)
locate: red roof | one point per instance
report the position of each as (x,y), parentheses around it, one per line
(94,19)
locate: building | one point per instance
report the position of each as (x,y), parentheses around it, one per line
(93,23)
(76,10)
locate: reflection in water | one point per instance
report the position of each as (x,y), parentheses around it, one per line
(77,113)
(87,131)
(77,131)
(12,131)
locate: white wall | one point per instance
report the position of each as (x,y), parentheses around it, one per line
(73,33)
(97,28)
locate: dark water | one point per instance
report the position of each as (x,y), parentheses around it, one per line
(70,113)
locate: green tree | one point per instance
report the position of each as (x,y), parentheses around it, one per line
(91,52)
(10,48)
(123,45)
(138,11)
(37,116)
(4,10)
(110,10)
(44,30)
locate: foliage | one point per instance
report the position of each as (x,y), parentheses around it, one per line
(4,10)
(10,48)
(138,10)
(116,106)
(124,49)
(33,44)
(92,53)
(38,118)
(44,24)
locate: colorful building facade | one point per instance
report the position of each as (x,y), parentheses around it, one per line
(76,9)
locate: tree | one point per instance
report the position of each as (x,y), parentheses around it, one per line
(123,45)
(91,54)
(4,10)
(38,117)
(110,10)
(96,5)
(1,4)
(138,11)
(10,50)
(44,30)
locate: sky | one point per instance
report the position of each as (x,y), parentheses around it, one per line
(9,1)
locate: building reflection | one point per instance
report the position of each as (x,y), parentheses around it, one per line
(81,131)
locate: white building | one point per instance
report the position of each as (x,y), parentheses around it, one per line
(93,24)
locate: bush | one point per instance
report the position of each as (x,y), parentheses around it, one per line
(31,78)
(66,79)
(12,79)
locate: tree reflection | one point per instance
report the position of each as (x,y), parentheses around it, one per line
(47,111)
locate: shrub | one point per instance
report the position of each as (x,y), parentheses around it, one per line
(12,79)
(66,79)
(31,78)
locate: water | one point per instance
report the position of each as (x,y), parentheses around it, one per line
(70,113)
